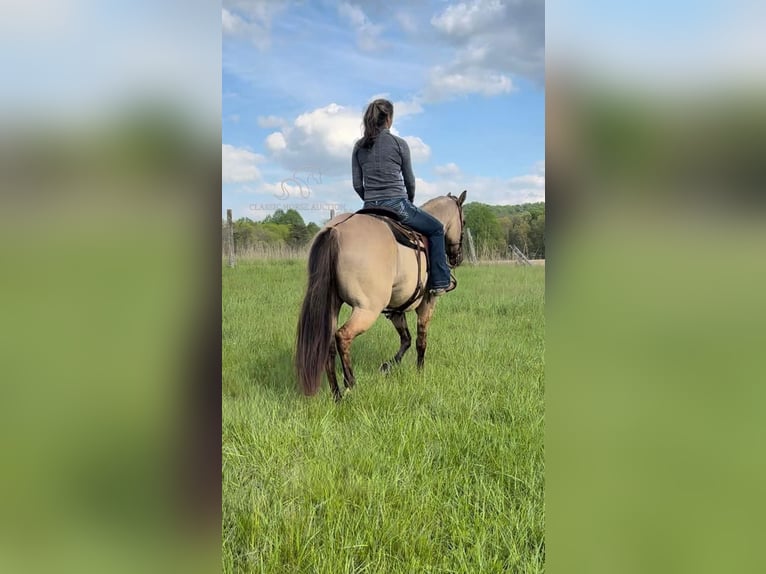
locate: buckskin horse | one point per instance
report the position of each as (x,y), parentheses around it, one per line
(356,259)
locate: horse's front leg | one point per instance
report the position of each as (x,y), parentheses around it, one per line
(425,312)
(405,340)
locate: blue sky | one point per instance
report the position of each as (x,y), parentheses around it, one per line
(466,79)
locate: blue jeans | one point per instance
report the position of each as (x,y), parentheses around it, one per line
(432,228)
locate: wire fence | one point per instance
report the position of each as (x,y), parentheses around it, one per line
(234,250)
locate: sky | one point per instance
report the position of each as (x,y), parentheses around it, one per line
(75,60)
(658,48)
(466,80)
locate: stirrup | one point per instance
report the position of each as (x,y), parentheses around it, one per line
(442,290)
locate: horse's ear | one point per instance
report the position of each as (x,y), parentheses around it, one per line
(449,194)
(461,199)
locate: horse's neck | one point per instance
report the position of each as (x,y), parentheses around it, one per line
(439,211)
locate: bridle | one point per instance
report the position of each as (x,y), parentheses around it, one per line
(459,245)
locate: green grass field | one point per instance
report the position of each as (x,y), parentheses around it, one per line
(439,471)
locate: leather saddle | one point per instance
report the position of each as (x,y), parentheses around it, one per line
(404,236)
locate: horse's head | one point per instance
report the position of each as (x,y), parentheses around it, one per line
(453,229)
(448,209)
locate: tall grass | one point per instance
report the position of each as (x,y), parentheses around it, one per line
(268,251)
(438,471)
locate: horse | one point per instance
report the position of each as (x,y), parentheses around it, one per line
(355,259)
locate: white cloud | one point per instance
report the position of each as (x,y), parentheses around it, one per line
(367,33)
(447,170)
(238,165)
(324,139)
(271,121)
(493,42)
(251,19)
(529,180)
(444,83)
(354,14)
(419,150)
(425,190)
(276,142)
(464,19)
(336,127)
(404,108)
(231,23)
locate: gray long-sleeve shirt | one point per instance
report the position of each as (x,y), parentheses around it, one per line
(383,171)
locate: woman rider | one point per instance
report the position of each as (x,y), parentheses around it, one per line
(382,177)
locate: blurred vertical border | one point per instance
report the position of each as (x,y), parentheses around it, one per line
(110,158)
(656,170)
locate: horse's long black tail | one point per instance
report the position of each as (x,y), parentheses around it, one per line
(317,318)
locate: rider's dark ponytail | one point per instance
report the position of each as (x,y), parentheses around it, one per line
(375,119)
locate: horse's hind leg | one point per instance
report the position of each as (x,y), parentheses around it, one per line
(358,323)
(400,322)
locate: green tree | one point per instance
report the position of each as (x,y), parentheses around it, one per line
(298,234)
(485,228)
(519,231)
(506,224)
(523,225)
(537,237)
(243,229)
(278,233)
(275,217)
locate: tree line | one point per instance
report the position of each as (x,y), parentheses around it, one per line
(282,228)
(493,227)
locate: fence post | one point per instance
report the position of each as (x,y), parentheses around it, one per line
(471,250)
(230,238)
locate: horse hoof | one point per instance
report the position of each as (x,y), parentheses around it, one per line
(385,368)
